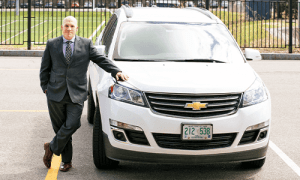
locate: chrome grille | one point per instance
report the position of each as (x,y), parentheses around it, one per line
(174,104)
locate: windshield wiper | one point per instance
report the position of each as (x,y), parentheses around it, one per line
(167,60)
(202,60)
(136,60)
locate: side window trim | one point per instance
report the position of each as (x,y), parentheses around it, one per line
(111,34)
(105,30)
(108,29)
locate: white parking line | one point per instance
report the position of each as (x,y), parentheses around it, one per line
(95,32)
(285,158)
(22,32)
(9,23)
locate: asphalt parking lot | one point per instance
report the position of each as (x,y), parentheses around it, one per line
(25,126)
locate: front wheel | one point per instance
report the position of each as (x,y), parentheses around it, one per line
(100,159)
(254,164)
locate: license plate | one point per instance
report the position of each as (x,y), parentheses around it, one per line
(197,132)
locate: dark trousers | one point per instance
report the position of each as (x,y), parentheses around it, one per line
(65,117)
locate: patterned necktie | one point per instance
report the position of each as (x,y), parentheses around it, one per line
(68,52)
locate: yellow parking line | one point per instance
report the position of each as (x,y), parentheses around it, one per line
(23,110)
(19,69)
(53,171)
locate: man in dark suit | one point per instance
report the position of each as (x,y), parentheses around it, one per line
(63,79)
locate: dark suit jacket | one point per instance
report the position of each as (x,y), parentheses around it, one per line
(58,77)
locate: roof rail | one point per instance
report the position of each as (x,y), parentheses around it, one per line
(128,10)
(203,11)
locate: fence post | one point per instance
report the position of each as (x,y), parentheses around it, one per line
(207,4)
(278,10)
(29,26)
(290,27)
(119,3)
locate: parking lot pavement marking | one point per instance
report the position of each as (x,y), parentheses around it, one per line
(21,32)
(53,171)
(285,158)
(9,23)
(23,110)
(95,32)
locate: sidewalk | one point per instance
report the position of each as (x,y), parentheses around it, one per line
(39,53)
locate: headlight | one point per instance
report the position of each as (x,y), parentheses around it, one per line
(255,94)
(125,94)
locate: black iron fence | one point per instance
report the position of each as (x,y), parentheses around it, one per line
(261,24)
(253,23)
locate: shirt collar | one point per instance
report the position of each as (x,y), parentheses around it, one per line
(65,40)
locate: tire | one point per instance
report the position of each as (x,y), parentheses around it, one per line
(254,164)
(100,159)
(90,105)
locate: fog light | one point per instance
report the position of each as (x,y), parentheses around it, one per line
(262,135)
(119,135)
(124,125)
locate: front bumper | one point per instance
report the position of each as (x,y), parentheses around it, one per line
(152,123)
(126,155)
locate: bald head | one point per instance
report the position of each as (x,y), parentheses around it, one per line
(70,18)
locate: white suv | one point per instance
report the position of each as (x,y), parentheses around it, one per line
(191,96)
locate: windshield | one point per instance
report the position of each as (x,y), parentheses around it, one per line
(176,41)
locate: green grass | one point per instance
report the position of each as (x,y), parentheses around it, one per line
(46,25)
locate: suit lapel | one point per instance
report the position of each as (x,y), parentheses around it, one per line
(60,50)
(76,49)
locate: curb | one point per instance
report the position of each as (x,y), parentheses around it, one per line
(39,53)
(31,53)
(279,56)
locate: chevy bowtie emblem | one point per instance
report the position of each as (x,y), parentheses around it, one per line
(196,105)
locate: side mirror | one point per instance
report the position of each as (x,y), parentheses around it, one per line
(101,49)
(252,54)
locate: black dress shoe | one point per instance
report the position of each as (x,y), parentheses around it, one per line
(64,167)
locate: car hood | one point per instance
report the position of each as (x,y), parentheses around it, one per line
(188,77)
